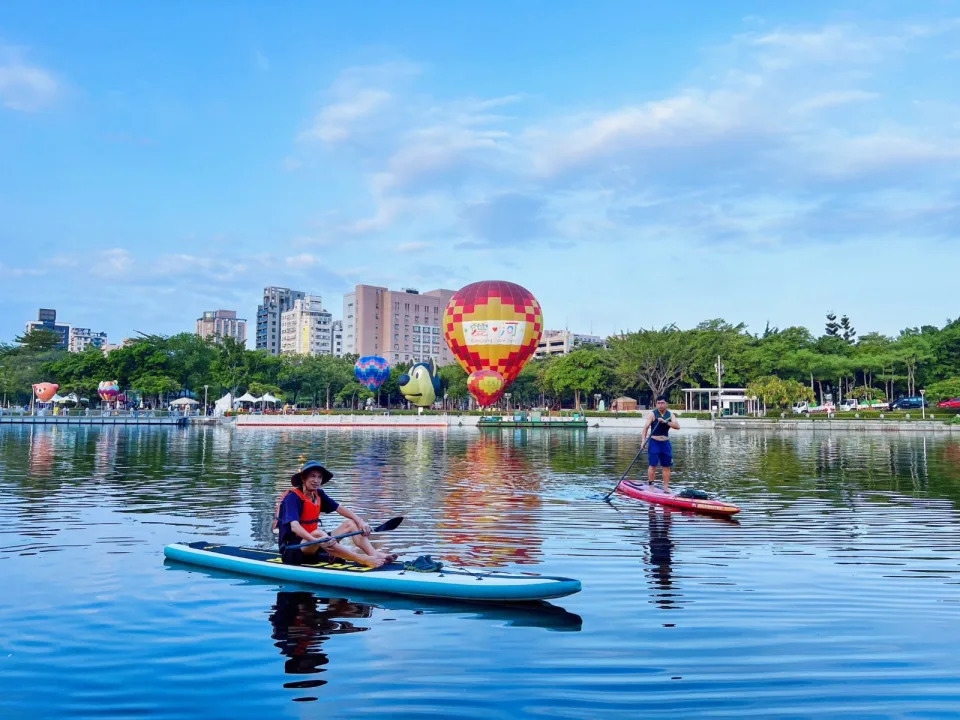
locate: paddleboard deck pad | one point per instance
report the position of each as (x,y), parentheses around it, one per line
(653,495)
(391,578)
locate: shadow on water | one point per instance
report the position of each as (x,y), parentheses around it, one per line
(535,614)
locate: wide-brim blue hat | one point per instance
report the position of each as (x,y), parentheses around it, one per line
(325,475)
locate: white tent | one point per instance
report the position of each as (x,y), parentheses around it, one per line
(247,397)
(58,399)
(184,401)
(268,398)
(223,405)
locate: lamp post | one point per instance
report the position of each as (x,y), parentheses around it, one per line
(445,401)
(205,399)
(923,406)
(508,396)
(596,401)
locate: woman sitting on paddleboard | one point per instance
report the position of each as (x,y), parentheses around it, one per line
(660,452)
(298,521)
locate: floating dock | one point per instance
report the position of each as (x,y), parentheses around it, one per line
(534,421)
(169,421)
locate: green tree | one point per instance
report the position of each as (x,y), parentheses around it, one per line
(657,359)
(155,386)
(453,380)
(38,340)
(581,371)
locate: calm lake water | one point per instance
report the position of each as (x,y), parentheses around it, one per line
(837,594)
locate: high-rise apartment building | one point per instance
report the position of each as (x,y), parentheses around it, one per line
(47,320)
(221,324)
(306,328)
(82,338)
(276,301)
(399,325)
(336,337)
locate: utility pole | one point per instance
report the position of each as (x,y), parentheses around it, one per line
(719,367)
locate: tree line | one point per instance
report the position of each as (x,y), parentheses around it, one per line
(778,366)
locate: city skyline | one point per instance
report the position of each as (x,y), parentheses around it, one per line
(630,166)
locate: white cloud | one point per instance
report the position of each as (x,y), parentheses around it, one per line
(112,263)
(25,87)
(771,128)
(336,122)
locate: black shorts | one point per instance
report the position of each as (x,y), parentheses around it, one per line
(296,556)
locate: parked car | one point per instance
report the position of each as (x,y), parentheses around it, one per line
(953,403)
(849,404)
(800,408)
(914,402)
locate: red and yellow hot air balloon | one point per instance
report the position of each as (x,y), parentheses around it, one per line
(493,325)
(45,391)
(486,386)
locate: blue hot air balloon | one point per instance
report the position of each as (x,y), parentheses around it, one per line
(372,371)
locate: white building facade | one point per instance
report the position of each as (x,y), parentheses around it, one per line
(215,324)
(306,329)
(276,301)
(563,342)
(336,338)
(82,338)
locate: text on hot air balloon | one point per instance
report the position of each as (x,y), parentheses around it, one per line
(509,332)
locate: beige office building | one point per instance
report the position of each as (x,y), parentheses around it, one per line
(306,329)
(402,326)
(221,324)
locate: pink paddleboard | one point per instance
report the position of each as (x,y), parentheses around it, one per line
(645,492)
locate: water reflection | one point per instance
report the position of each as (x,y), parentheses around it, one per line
(492,506)
(660,558)
(302,622)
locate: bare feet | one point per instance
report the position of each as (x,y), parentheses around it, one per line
(372,561)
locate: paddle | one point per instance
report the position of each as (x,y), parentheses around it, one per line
(391,524)
(642,446)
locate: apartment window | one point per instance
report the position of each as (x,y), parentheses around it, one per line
(406,337)
(396,326)
(396,347)
(406,306)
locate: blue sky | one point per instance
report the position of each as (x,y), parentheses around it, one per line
(632,164)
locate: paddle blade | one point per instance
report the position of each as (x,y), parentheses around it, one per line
(391,524)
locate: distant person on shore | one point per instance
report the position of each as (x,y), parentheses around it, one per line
(659,451)
(298,521)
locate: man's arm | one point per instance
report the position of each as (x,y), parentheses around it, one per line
(301,532)
(646,428)
(673,422)
(351,515)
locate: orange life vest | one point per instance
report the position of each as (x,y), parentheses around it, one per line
(309,513)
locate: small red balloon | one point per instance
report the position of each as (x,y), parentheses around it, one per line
(486,386)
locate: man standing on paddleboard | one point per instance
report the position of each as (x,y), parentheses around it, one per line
(660,452)
(298,521)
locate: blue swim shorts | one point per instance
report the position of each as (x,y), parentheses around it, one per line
(659,452)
